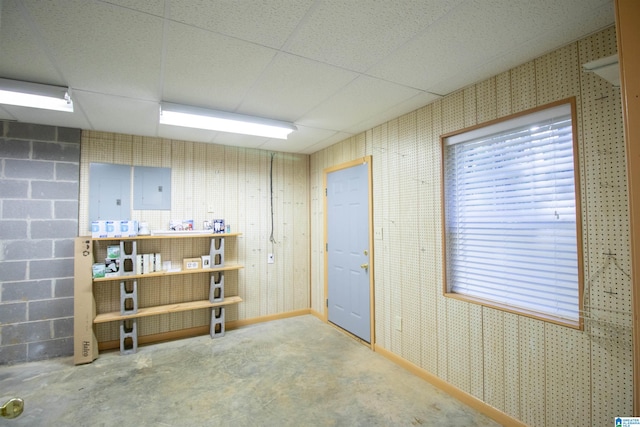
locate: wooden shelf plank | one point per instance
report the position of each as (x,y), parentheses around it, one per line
(164,309)
(168,236)
(169,273)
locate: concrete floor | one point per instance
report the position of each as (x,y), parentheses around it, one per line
(292,372)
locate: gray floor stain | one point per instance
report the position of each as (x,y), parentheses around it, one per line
(290,372)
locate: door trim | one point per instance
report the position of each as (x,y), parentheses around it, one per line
(326,171)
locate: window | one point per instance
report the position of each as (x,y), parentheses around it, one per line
(512,228)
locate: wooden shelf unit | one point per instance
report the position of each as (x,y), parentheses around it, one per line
(165,309)
(128,316)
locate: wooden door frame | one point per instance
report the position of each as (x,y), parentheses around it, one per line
(326,172)
(627,14)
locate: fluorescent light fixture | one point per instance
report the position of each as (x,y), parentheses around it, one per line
(35,95)
(202,118)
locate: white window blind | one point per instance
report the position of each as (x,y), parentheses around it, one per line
(510,214)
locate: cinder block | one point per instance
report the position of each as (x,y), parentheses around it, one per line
(26,291)
(63,248)
(65,209)
(15,250)
(13,229)
(57,151)
(14,149)
(63,287)
(50,309)
(67,171)
(128,336)
(31,131)
(49,349)
(56,190)
(54,229)
(13,270)
(28,169)
(216,252)
(216,287)
(26,332)
(14,189)
(27,209)
(217,322)
(51,268)
(13,313)
(13,354)
(128,297)
(63,328)
(69,135)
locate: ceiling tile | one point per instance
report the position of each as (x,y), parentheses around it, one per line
(363,99)
(134,116)
(152,7)
(123,47)
(292,86)
(357,34)
(209,70)
(23,57)
(404,107)
(267,23)
(473,34)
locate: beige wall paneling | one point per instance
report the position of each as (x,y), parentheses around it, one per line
(523,87)
(503,94)
(608,301)
(457,312)
(494,381)
(458,344)
(486,103)
(470,107)
(568,384)
(393,225)
(317,233)
(558,75)
(231,181)
(476,363)
(540,373)
(532,371)
(441,302)
(256,283)
(408,225)
(382,274)
(512,383)
(427,156)
(241,226)
(300,232)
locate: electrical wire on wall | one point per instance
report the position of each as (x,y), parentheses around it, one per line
(271,237)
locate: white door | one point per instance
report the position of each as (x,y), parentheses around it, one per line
(348,252)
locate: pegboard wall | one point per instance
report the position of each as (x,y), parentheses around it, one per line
(537,372)
(234,183)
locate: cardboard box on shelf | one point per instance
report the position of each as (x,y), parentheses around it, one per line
(85,342)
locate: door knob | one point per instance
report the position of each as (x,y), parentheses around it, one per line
(365,266)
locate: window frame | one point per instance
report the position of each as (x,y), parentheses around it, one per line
(578,216)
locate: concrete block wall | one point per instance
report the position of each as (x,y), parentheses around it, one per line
(39,173)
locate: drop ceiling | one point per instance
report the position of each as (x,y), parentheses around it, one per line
(333,67)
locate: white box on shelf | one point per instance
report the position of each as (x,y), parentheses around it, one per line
(98,229)
(128,228)
(111,229)
(146,264)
